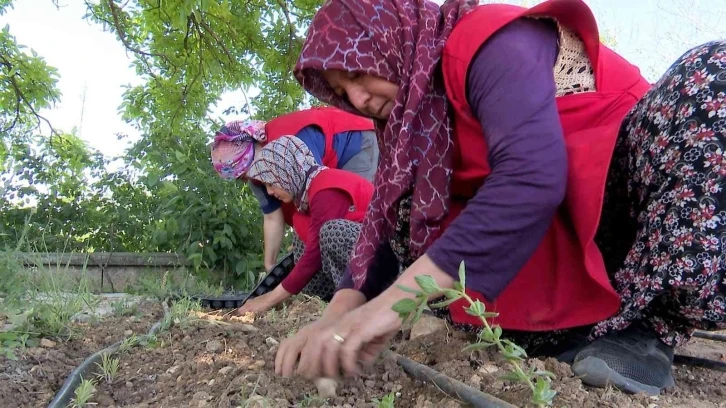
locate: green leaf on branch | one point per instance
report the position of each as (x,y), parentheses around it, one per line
(427,284)
(477,346)
(476,309)
(405,306)
(443,303)
(409,290)
(462,274)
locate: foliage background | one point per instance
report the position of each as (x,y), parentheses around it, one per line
(162,194)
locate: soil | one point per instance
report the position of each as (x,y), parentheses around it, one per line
(223,362)
(231,364)
(38,373)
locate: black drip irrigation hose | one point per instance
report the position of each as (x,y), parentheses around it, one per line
(64,396)
(703,362)
(449,386)
(709,336)
(700,362)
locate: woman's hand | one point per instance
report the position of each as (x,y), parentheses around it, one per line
(361,335)
(265,302)
(357,337)
(307,342)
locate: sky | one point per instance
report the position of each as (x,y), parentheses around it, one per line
(94,68)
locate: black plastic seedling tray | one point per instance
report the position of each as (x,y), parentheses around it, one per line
(234,299)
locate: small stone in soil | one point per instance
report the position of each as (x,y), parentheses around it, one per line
(427,325)
(488,369)
(214,346)
(225,370)
(475,381)
(47,343)
(201,396)
(271,342)
(129,384)
(326,388)
(173,369)
(128,333)
(248,328)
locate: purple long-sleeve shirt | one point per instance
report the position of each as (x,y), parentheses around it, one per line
(511,91)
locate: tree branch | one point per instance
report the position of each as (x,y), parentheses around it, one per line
(115,10)
(21,98)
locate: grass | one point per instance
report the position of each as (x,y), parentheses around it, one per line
(122,307)
(109,368)
(167,286)
(386,402)
(85,391)
(37,303)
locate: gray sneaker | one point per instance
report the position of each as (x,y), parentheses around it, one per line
(633,361)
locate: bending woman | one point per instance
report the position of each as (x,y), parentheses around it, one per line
(337,139)
(329,204)
(586,204)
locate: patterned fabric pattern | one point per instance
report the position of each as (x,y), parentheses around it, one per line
(669,170)
(233,148)
(337,238)
(400,41)
(287,163)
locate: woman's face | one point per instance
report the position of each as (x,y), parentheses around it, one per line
(279,193)
(370,95)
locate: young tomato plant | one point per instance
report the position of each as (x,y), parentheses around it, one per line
(490,335)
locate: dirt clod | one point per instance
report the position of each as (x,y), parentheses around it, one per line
(427,325)
(47,343)
(326,388)
(214,346)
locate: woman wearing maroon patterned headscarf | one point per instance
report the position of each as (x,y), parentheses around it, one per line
(585,204)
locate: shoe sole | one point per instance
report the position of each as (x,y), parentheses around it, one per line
(595,372)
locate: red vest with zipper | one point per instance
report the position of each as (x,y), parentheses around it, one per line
(329,119)
(564,284)
(356,187)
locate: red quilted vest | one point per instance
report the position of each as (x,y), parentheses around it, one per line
(564,284)
(358,189)
(329,119)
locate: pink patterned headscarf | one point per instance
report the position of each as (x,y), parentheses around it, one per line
(400,41)
(234,147)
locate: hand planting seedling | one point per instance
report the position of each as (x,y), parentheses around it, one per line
(410,311)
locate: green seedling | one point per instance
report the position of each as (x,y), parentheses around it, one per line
(180,313)
(386,402)
(410,310)
(123,308)
(85,391)
(109,368)
(312,401)
(151,341)
(129,343)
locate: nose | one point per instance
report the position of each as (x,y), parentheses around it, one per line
(269,190)
(358,96)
